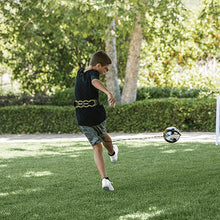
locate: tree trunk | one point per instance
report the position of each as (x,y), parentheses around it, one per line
(112,75)
(131,75)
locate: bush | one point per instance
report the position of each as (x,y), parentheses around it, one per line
(24,99)
(166,92)
(185,93)
(42,119)
(67,97)
(148,115)
(157,114)
(60,98)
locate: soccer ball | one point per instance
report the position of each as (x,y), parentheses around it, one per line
(171,134)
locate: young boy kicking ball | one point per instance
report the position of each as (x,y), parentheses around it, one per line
(91,116)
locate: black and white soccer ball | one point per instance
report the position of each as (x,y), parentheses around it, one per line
(171,134)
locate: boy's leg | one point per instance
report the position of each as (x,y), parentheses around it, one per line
(112,149)
(99,159)
(108,144)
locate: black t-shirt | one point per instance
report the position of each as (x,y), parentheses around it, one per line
(84,90)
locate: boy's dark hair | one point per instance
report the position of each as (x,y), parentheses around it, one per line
(100,57)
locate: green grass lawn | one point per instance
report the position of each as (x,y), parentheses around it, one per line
(152,181)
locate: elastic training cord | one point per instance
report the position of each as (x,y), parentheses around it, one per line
(133,139)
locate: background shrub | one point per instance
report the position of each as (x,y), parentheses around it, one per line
(166,92)
(24,99)
(60,98)
(42,119)
(156,115)
(149,115)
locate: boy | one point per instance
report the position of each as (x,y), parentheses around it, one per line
(91,115)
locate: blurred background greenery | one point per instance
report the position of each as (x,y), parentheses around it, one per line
(43,43)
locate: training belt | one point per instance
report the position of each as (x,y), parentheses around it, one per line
(86,103)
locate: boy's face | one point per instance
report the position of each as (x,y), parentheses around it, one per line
(102,69)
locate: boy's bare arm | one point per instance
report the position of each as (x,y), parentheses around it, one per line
(98,85)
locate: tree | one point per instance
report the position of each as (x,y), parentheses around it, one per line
(50,40)
(131,76)
(112,75)
(172,57)
(49,43)
(167,12)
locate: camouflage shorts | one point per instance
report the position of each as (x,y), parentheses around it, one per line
(95,134)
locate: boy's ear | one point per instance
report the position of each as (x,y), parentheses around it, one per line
(98,65)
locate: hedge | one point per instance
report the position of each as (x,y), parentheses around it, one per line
(34,119)
(157,114)
(149,115)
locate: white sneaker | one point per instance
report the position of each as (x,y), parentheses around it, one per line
(107,185)
(114,158)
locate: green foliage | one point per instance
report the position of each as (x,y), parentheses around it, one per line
(148,115)
(64,97)
(166,92)
(24,99)
(156,115)
(49,44)
(154,92)
(206,33)
(180,50)
(67,98)
(45,42)
(32,119)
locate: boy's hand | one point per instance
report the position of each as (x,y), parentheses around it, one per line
(98,85)
(111,100)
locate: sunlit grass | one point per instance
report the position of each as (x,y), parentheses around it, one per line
(16,192)
(142,215)
(152,181)
(14,150)
(34,174)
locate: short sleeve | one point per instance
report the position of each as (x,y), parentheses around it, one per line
(94,75)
